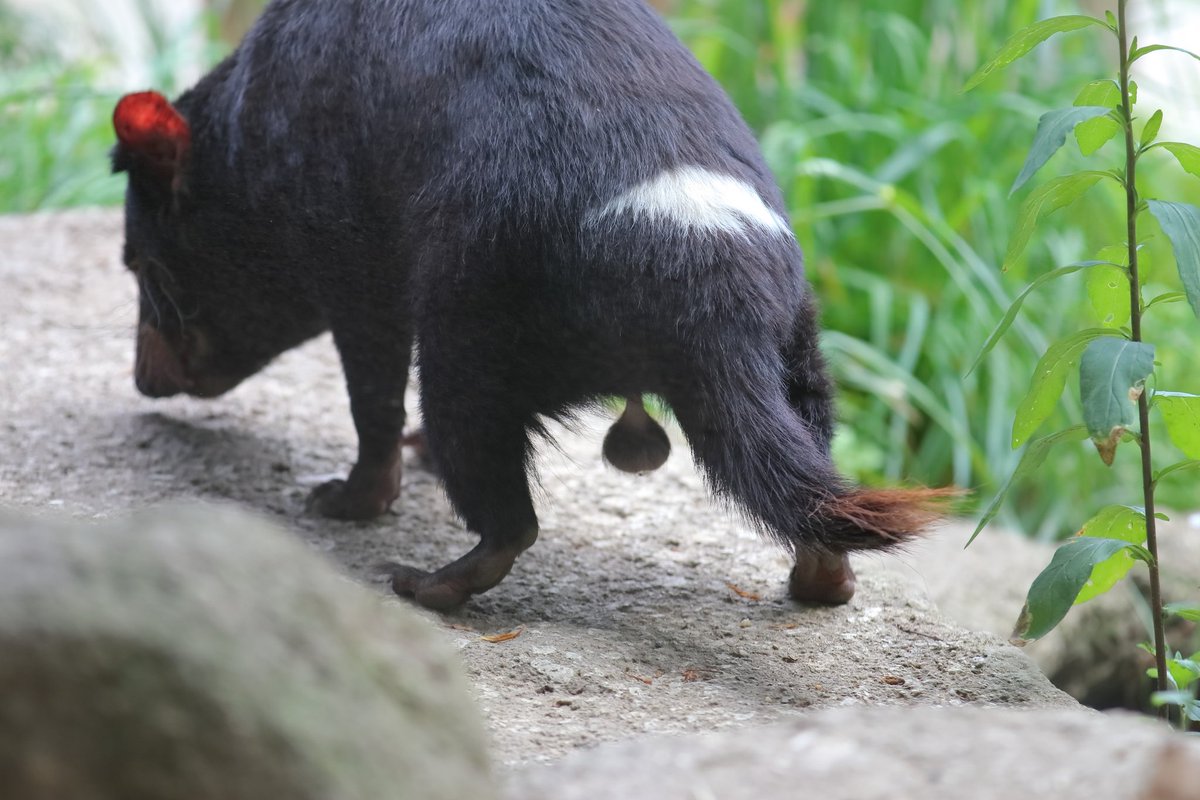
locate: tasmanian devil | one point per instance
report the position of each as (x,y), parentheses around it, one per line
(553,202)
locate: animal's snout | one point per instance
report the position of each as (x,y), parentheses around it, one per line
(158,370)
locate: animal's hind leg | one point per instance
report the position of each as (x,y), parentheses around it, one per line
(809,388)
(480,444)
(735,440)
(818,576)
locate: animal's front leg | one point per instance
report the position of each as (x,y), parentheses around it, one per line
(375,360)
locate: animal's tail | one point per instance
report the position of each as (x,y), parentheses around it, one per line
(873,519)
(768,451)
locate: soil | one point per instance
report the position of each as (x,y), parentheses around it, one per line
(644,607)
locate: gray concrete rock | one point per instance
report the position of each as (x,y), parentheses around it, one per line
(1093,654)
(888,754)
(199,653)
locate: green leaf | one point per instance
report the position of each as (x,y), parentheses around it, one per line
(1179,466)
(1010,316)
(1093,133)
(1052,131)
(1141,553)
(1181,412)
(1188,155)
(1046,199)
(1105,575)
(1186,702)
(1025,40)
(1118,254)
(1127,523)
(1188,611)
(1178,697)
(1115,253)
(1031,459)
(1110,20)
(1053,592)
(1112,376)
(1181,223)
(1151,129)
(1183,671)
(1165,298)
(1049,379)
(1104,92)
(1151,48)
(1108,289)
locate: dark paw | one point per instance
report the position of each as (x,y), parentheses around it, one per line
(825,578)
(339,499)
(451,586)
(426,589)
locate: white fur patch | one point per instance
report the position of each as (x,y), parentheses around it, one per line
(694,197)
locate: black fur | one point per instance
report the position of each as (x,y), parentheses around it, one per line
(427,171)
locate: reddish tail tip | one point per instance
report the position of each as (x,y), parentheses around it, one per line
(889,516)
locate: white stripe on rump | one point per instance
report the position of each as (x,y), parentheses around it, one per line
(695,197)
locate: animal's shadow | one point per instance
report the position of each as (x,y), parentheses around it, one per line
(216,458)
(211,459)
(159,457)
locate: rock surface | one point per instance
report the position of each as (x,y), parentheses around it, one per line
(202,654)
(880,754)
(1093,654)
(643,608)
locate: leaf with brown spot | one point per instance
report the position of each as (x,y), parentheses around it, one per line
(1107,448)
(742,593)
(496,638)
(1112,377)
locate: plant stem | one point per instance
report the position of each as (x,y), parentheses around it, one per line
(1135,323)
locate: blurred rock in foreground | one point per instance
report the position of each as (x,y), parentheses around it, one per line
(890,754)
(199,653)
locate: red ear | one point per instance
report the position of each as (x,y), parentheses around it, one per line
(148,125)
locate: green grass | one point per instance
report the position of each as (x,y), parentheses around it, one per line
(55,114)
(897,183)
(898,187)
